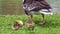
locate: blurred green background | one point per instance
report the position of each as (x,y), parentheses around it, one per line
(10,7)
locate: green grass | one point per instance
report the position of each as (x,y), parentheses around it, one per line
(52,25)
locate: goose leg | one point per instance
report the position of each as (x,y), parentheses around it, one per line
(30,23)
(42,22)
(30,17)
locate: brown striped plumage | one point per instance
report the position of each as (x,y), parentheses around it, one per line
(35,6)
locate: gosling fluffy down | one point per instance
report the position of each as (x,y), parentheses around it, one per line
(18,24)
